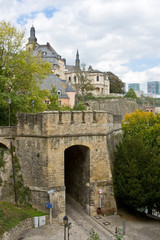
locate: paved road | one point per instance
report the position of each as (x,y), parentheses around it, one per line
(136,229)
(81,226)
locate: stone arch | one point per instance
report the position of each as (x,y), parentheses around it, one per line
(77,172)
(5,142)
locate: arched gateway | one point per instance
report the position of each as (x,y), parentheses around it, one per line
(65,152)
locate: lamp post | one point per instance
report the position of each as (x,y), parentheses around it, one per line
(9,111)
(65,221)
(69,226)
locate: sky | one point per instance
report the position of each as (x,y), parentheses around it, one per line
(121,36)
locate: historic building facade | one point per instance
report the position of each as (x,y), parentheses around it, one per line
(67,74)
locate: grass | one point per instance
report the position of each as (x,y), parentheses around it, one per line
(11,215)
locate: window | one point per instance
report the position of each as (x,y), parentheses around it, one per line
(69,79)
(44,53)
(47,101)
(59,92)
(74,78)
(97,78)
(97,90)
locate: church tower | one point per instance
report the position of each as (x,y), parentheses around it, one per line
(32,40)
(77,61)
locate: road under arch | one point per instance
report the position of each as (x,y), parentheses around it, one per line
(77,173)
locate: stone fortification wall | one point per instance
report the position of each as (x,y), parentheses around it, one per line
(65,123)
(44,145)
(8,131)
(119,106)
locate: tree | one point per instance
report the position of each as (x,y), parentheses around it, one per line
(84,84)
(53,98)
(116,85)
(131,94)
(136,171)
(21,75)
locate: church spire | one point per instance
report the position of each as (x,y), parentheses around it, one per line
(77,62)
(32,38)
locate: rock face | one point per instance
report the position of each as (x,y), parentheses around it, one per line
(119,106)
(61,152)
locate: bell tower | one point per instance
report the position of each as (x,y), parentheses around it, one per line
(32,40)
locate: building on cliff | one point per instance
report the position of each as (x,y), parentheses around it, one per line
(65,91)
(64,76)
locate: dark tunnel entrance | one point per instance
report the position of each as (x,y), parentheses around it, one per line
(77,173)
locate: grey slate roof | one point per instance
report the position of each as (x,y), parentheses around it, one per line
(94,71)
(71,68)
(69,88)
(57,83)
(48,53)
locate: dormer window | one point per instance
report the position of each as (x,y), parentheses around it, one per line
(59,92)
(97,78)
(44,53)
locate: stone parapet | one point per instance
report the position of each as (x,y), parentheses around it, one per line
(64,123)
(8,131)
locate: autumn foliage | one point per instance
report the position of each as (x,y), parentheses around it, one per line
(136,171)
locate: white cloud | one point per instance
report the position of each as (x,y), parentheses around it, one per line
(108,33)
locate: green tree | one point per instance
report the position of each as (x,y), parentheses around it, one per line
(53,98)
(116,84)
(83,85)
(21,75)
(131,94)
(136,171)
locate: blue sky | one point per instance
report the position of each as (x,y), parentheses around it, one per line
(142,64)
(24,18)
(121,36)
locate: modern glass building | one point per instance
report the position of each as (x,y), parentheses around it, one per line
(153,87)
(135,86)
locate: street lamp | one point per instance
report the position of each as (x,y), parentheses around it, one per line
(9,111)
(69,226)
(67,223)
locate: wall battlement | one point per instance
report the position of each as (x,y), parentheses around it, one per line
(64,150)
(7,131)
(65,122)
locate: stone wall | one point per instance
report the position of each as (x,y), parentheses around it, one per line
(41,141)
(17,231)
(119,106)
(64,123)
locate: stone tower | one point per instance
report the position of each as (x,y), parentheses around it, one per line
(77,61)
(32,40)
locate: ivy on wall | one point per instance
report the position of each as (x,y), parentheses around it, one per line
(15,182)
(2,162)
(21,192)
